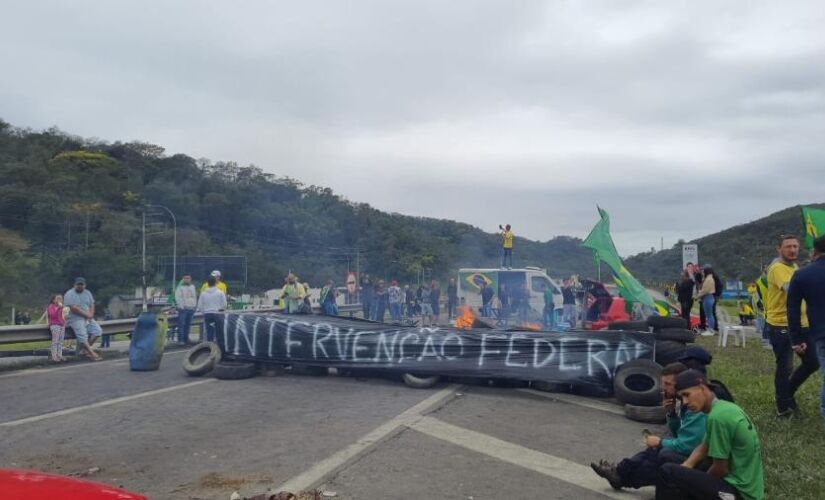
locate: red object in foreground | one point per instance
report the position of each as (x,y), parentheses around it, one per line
(17,484)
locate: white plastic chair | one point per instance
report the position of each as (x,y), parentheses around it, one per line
(738,331)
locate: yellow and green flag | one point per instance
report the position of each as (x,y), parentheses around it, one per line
(600,242)
(814,221)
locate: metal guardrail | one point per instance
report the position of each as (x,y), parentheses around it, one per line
(15,334)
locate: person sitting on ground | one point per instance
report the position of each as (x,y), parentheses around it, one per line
(687,428)
(697,358)
(81,304)
(731,442)
(746,314)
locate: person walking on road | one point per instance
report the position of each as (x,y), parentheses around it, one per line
(707,297)
(452,298)
(81,305)
(367,290)
(687,429)
(808,285)
(786,379)
(57,327)
(186,301)
(212,303)
(684,294)
(731,442)
(506,246)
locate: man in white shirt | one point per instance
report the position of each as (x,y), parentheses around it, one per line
(186,301)
(211,303)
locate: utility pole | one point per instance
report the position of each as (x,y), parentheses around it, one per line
(143,272)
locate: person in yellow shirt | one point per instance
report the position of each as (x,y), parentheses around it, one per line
(786,379)
(745,313)
(294,293)
(218,283)
(506,246)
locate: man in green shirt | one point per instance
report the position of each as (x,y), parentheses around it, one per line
(730,441)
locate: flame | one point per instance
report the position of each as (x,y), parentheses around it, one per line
(465,319)
(533,326)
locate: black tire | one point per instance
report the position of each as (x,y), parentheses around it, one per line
(668,351)
(646,414)
(682,335)
(312,371)
(637,383)
(234,370)
(417,382)
(629,326)
(660,322)
(201,359)
(543,386)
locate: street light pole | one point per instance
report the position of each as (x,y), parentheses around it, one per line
(174,245)
(143,267)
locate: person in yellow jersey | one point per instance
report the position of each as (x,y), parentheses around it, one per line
(218,282)
(786,379)
(506,246)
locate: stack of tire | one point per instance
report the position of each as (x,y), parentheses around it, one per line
(637,383)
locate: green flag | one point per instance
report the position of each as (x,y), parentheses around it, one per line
(600,242)
(814,221)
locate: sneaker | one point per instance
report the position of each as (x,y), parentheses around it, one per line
(786,413)
(608,471)
(706,333)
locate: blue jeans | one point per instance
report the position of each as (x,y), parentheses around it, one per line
(213,326)
(487,310)
(820,353)
(548,317)
(184,324)
(395,311)
(506,254)
(330,308)
(707,304)
(106,341)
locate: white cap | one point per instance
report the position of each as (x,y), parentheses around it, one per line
(215,273)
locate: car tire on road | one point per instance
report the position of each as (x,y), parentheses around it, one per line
(682,335)
(201,359)
(629,326)
(637,383)
(660,322)
(234,370)
(646,414)
(418,382)
(668,351)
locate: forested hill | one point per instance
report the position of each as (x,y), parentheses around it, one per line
(72,207)
(736,253)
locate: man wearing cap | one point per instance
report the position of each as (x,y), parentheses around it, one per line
(212,303)
(218,283)
(786,379)
(808,284)
(686,427)
(81,319)
(696,357)
(731,442)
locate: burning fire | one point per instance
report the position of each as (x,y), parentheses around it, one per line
(465,319)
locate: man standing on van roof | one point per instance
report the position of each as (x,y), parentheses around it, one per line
(506,246)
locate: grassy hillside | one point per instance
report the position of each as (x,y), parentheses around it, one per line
(71,206)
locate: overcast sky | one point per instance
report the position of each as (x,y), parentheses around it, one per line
(679,118)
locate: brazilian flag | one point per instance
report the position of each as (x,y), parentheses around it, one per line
(601,243)
(814,221)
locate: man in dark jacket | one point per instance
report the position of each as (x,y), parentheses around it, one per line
(452,298)
(487,294)
(808,284)
(684,293)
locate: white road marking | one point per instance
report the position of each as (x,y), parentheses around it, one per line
(577,400)
(101,404)
(315,474)
(76,365)
(543,463)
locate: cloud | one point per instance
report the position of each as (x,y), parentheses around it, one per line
(681,119)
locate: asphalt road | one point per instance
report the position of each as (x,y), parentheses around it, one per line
(170,436)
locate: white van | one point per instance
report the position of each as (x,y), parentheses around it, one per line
(535,279)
